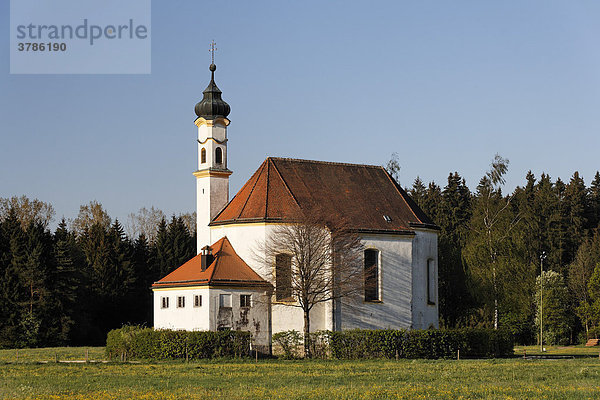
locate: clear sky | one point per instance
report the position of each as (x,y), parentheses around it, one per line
(445,84)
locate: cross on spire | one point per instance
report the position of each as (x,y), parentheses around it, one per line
(212,50)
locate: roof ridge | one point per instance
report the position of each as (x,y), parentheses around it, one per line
(325,162)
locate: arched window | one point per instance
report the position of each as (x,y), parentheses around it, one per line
(283,277)
(219,156)
(203,155)
(371,275)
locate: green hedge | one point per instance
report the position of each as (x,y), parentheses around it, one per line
(132,342)
(472,343)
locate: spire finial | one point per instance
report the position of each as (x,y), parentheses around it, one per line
(213,48)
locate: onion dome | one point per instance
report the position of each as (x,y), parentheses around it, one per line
(212,105)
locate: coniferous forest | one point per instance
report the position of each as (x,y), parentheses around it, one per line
(91,274)
(73,285)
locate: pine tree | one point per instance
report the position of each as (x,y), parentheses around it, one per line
(11,293)
(141,295)
(182,244)
(576,208)
(417,192)
(453,221)
(66,281)
(594,203)
(36,318)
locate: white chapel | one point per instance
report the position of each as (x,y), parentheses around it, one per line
(226,287)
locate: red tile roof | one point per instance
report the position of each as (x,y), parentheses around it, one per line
(361,194)
(227,269)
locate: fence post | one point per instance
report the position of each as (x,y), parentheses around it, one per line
(457,354)
(86,355)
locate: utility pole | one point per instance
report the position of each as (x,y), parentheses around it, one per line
(542,258)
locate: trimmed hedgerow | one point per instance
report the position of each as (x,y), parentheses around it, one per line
(132,342)
(472,343)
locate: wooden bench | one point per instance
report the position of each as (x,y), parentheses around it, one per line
(592,342)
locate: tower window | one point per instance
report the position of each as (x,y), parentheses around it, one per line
(283,276)
(203,155)
(371,275)
(219,156)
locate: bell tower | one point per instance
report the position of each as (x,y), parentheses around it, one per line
(212,176)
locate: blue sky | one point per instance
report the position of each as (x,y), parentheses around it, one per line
(446,85)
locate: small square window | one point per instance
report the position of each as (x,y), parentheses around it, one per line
(245,300)
(197,300)
(225,301)
(164,302)
(180,302)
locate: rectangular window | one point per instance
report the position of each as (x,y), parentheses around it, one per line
(283,277)
(371,275)
(430,282)
(197,300)
(180,302)
(164,302)
(245,300)
(225,301)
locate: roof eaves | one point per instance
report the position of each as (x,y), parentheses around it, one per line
(246,221)
(424,226)
(405,232)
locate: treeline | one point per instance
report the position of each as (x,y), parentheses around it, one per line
(93,274)
(492,247)
(73,285)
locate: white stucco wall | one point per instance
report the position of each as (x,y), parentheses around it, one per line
(402,279)
(246,239)
(188,318)
(425,247)
(212,196)
(212,191)
(394,309)
(211,316)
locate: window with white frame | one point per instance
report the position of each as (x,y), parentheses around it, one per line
(180,301)
(430,281)
(164,302)
(371,276)
(197,300)
(245,300)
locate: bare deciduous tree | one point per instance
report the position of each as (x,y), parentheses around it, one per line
(90,214)
(28,211)
(315,262)
(393,167)
(145,221)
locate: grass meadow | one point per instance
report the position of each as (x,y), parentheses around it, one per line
(37,375)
